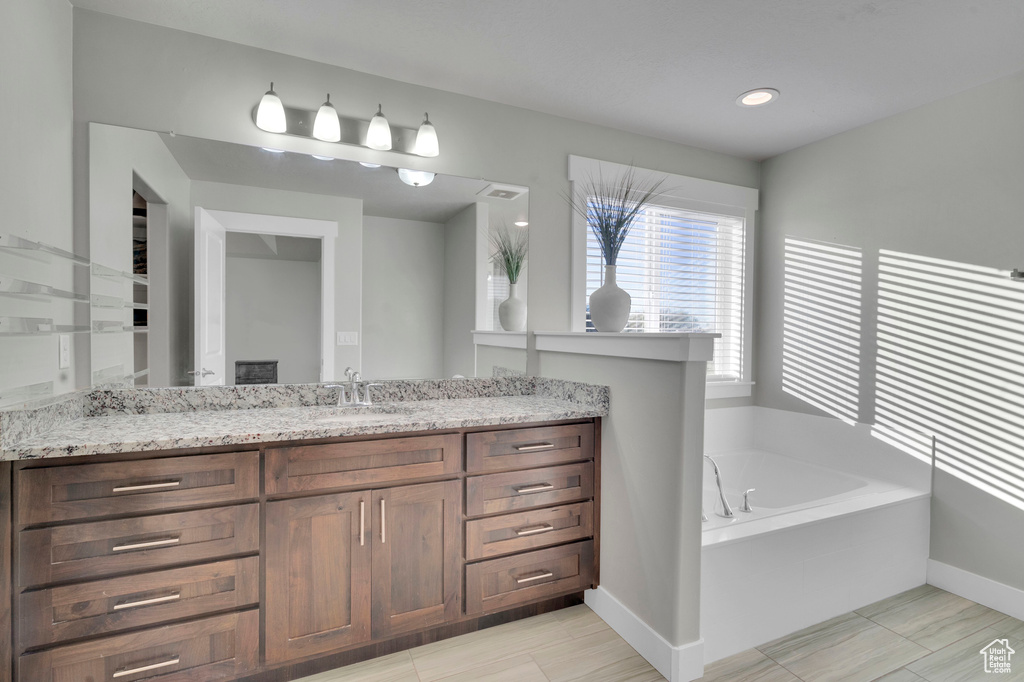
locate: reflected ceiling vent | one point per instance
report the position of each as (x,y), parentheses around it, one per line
(507,192)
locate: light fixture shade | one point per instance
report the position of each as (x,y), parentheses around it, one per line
(270,114)
(326,126)
(415,178)
(379,134)
(426,138)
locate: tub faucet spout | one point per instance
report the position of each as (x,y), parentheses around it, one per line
(727,511)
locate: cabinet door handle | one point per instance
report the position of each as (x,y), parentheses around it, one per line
(146,486)
(533,530)
(144,545)
(522,490)
(537,576)
(538,446)
(147,602)
(124,672)
(362,523)
(383,523)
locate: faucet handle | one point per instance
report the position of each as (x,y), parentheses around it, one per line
(348,373)
(746,501)
(367,398)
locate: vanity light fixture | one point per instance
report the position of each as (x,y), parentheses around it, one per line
(379,134)
(758,97)
(322,158)
(426,138)
(273,151)
(326,127)
(270,115)
(415,178)
(366,164)
(521,223)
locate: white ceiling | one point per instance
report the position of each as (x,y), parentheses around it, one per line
(671,69)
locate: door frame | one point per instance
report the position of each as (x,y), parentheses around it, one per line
(324,230)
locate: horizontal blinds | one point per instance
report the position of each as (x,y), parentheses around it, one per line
(684,271)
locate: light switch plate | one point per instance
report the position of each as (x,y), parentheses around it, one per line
(348,338)
(64,344)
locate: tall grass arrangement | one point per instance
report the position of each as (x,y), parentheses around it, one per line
(510,249)
(610,207)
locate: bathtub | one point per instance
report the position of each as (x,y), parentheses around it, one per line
(839,520)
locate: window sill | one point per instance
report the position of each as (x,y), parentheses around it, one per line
(717,390)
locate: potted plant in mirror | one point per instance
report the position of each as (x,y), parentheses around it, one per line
(509,257)
(610,207)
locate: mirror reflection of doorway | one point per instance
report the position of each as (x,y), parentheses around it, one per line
(272,308)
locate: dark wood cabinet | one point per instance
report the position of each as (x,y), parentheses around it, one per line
(273,562)
(318,574)
(416,552)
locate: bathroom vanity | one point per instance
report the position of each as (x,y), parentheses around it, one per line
(260,557)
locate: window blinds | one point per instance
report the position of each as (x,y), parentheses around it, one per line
(684,271)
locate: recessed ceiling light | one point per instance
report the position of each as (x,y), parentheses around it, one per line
(369,165)
(521,223)
(758,97)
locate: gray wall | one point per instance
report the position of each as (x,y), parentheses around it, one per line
(462,236)
(942,181)
(36,179)
(149,77)
(273,313)
(403,299)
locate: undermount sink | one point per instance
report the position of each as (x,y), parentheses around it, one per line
(358,413)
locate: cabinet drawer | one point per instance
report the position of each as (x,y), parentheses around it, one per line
(210,649)
(90,550)
(531,488)
(363,463)
(115,604)
(64,493)
(501,583)
(519,448)
(508,533)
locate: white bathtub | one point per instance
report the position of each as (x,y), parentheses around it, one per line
(839,520)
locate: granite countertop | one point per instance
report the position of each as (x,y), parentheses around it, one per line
(113,432)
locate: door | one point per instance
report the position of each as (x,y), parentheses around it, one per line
(210,330)
(318,574)
(416,549)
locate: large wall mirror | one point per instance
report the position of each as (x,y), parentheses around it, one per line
(217,263)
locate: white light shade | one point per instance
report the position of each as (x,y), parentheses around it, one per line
(379,134)
(270,115)
(415,178)
(521,223)
(326,126)
(426,138)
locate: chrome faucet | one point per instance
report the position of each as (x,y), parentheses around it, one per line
(350,390)
(727,511)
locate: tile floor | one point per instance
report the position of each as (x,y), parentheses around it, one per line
(924,634)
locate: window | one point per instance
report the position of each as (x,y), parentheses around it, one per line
(684,264)
(684,271)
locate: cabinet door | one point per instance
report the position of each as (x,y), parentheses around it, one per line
(416,550)
(318,574)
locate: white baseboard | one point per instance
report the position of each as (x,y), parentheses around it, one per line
(987,592)
(681,663)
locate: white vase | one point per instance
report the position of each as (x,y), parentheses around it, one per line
(512,311)
(609,305)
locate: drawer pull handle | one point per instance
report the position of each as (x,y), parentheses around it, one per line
(362,523)
(537,576)
(147,602)
(144,545)
(538,446)
(533,530)
(146,486)
(383,523)
(124,672)
(534,488)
